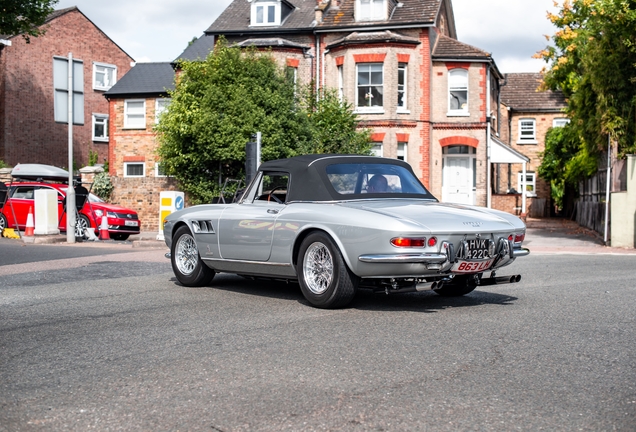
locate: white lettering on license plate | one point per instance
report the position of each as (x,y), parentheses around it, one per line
(477,249)
(131,223)
(472,266)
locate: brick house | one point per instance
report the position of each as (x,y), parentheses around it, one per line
(32,91)
(530,114)
(428,98)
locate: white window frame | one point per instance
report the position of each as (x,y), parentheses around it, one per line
(531,180)
(100,118)
(129,115)
(530,127)
(377,149)
(127,164)
(157,170)
(265,6)
(403,90)
(160,109)
(341,83)
(105,68)
(560,122)
(379,109)
(371,10)
(453,76)
(402,150)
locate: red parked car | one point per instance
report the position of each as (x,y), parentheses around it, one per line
(20,193)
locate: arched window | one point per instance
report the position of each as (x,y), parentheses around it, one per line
(458,92)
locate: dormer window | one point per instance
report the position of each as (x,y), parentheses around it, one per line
(265,13)
(371,10)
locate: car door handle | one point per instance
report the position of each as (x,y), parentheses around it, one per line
(272,211)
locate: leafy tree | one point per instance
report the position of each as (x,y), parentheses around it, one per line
(220,102)
(216,106)
(564,161)
(334,125)
(593,61)
(24,17)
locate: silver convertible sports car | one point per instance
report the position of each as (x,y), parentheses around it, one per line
(337,224)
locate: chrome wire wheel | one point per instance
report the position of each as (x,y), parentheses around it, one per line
(318,268)
(186,254)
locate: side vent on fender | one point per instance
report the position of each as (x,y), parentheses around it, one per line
(202,227)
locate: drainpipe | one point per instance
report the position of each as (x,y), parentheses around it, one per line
(488,191)
(318,77)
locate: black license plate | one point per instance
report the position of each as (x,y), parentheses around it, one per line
(477,249)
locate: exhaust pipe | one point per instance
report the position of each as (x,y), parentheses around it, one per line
(424,286)
(427,286)
(498,280)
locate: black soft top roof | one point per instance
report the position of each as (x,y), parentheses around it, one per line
(308,178)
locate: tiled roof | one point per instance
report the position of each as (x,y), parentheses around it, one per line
(366,37)
(236,18)
(449,48)
(273,42)
(198,50)
(521,93)
(144,79)
(404,12)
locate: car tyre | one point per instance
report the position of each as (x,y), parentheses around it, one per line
(81,224)
(3,223)
(324,278)
(461,285)
(119,236)
(186,261)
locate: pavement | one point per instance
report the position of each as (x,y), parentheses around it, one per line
(141,240)
(563,236)
(543,236)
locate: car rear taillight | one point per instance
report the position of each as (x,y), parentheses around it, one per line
(432,241)
(517,238)
(408,242)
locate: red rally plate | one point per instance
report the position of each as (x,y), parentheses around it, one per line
(472,266)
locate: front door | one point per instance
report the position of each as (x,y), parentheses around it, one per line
(246,230)
(458,180)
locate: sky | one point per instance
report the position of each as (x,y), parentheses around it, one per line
(159,30)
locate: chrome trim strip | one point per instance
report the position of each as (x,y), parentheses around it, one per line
(520,252)
(423,258)
(246,262)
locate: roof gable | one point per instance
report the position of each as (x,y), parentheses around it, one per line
(61,12)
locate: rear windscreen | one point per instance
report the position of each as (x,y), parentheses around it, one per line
(360,179)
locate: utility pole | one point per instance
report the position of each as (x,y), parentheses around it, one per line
(70,192)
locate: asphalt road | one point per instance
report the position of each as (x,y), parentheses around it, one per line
(114,343)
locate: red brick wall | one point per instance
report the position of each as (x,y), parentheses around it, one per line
(28,132)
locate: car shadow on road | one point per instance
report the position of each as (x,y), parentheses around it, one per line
(426,302)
